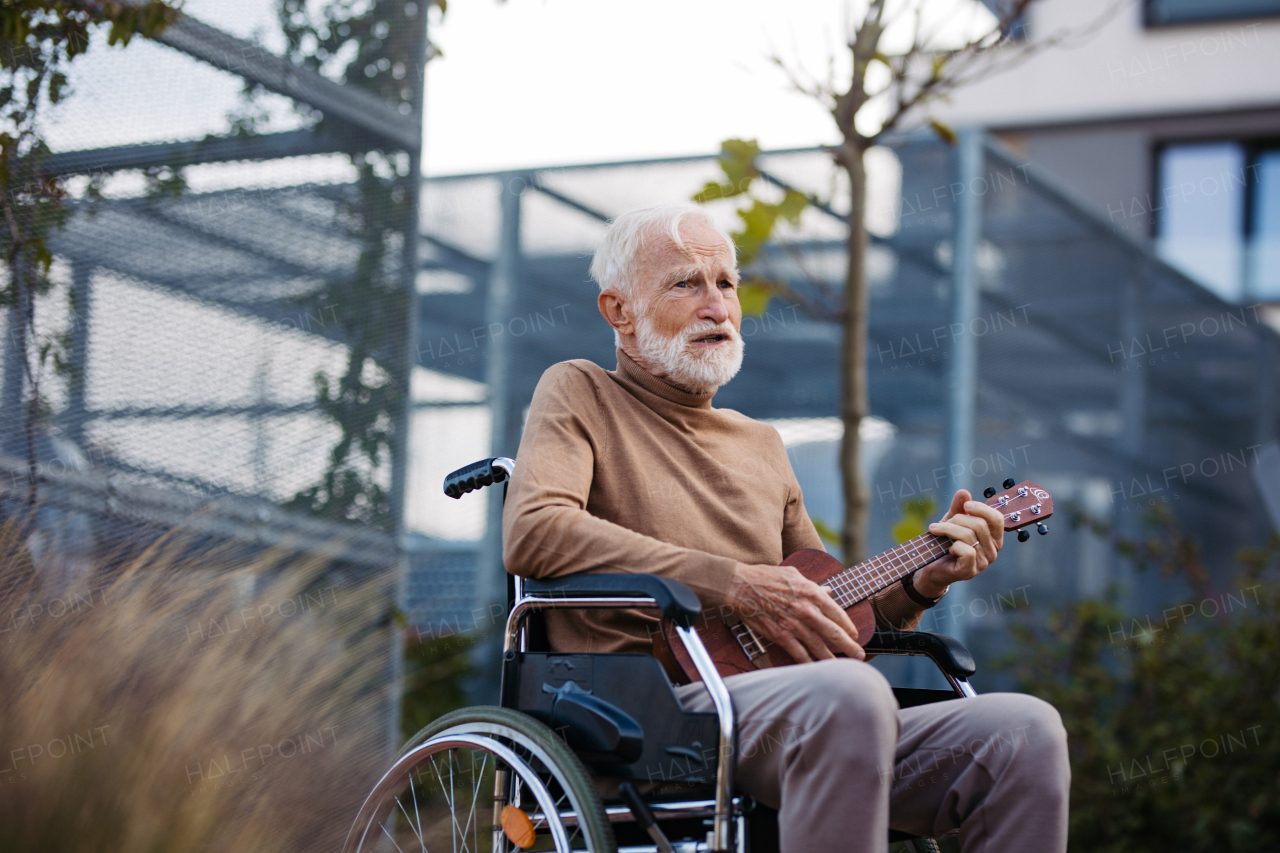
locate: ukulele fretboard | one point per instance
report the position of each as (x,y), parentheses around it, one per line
(870,576)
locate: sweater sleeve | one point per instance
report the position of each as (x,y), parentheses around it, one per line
(546,528)
(895,610)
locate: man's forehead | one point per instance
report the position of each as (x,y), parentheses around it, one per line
(701,243)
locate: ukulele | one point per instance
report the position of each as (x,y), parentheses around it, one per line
(735,648)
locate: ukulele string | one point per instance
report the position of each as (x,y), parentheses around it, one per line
(849,587)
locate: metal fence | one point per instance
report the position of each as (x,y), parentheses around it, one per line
(230,312)
(1013,334)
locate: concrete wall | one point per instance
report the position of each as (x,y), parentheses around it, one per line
(1093,109)
(1106,65)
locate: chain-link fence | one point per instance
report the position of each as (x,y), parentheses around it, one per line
(222,342)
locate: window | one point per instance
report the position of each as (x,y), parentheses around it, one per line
(1159,12)
(1219,216)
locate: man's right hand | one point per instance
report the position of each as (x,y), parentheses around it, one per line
(782,605)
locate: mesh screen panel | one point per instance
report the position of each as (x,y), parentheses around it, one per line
(197,319)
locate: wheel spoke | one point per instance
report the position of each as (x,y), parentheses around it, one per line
(453,811)
(530,770)
(391,838)
(475,796)
(416,816)
(422,844)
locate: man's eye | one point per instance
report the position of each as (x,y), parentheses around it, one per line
(682,284)
(726,283)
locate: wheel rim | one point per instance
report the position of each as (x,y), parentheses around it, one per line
(449,782)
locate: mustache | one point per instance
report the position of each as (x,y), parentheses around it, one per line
(698,328)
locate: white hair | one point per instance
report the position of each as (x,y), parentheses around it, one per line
(614,264)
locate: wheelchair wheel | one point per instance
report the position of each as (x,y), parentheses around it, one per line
(488,780)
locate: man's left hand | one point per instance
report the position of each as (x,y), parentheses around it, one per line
(977,534)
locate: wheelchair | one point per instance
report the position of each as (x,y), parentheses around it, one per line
(593,752)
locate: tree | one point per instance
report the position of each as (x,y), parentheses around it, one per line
(38,40)
(903,84)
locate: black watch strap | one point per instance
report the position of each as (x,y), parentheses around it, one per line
(915,595)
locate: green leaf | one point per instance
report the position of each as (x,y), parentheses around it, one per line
(916,514)
(945,133)
(711,191)
(792,205)
(757,220)
(754,296)
(826,531)
(738,162)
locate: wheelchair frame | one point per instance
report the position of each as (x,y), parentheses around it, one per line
(727,813)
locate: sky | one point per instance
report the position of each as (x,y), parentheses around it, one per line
(545,82)
(527,82)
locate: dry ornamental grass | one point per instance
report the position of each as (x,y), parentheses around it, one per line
(188,701)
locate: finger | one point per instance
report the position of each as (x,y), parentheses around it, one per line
(966,560)
(793,647)
(814,622)
(836,613)
(955,530)
(945,567)
(837,638)
(779,634)
(811,639)
(958,501)
(982,530)
(994,519)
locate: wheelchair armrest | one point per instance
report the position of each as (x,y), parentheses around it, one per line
(676,601)
(947,652)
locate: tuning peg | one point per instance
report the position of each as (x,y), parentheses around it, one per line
(1023,535)
(1009,483)
(1042,528)
(989,492)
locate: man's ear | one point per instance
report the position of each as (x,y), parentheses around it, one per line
(616,312)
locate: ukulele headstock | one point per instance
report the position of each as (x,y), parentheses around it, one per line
(1022,505)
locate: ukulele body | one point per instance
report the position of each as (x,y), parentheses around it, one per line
(1021,505)
(723,644)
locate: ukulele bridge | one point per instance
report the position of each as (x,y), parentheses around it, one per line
(748,640)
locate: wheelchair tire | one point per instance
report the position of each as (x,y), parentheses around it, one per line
(442,793)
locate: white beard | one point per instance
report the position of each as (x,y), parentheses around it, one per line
(694,368)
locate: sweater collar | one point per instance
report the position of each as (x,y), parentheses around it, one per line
(646,380)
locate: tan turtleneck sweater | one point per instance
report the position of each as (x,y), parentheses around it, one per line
(619,471)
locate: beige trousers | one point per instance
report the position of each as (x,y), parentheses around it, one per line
(827,746)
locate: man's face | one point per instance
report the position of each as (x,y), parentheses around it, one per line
(687,314)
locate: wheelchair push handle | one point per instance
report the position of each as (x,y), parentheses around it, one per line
(477,475)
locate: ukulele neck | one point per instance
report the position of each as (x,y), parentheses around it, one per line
(865,579)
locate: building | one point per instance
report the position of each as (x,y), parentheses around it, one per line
(1164,116)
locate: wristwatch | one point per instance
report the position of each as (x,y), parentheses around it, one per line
(915,596)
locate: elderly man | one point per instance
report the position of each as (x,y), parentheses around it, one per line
(633,470)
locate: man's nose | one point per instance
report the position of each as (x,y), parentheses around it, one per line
(714,307)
